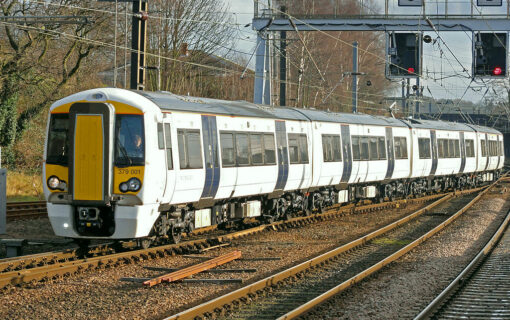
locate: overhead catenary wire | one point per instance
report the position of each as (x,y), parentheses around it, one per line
(290,17)
(172,18)
(105,44)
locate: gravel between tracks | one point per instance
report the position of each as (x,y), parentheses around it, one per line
(405,287)
(101,295)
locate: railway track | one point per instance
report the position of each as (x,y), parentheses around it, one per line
(37,267)
(482,289)
(26,210)
(301,289)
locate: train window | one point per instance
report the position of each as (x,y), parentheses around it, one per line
(303,146)
(331,148)
(337,149)
(365,155)
(58,140)
(381,148)
(129,140)
(446,150)
(397,147)
(356,152)
(227,149)
(269,149)
(470,148)
(256,148)
(400,145)
(440,148)
(373,148)
(449,149)
(293,149)
(190,149)
(484,148)
(403,145)
(168,139)
(456,144)
(242,149)
(327,148)
(424,148)
(161,138)
(492,148)
(501,149)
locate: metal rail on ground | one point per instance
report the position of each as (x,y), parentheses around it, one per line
(25,269)
(463,278)
(26,210)
(247,292)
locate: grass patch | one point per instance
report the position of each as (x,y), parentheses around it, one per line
(23,186)
(391,241)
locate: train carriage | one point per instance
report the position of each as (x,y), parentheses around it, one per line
(123,164)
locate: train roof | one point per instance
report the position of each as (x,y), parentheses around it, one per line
(169,101)
(446,125)
(172,102)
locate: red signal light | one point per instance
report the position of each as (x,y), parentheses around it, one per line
(497,71)
(410,70)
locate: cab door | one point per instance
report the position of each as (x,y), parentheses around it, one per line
(90,170)
(169,138)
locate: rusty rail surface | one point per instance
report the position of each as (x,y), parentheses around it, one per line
(186,272)
(463,278)
(26,269)
(26,210)
(210,307)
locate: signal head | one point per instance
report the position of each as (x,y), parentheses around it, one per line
(497,71)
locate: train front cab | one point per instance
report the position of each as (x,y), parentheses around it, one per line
(94,171)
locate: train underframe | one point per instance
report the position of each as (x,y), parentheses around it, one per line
(173,222)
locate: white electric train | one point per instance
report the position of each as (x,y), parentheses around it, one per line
(123,164)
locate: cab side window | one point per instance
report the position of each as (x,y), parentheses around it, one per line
(168,140)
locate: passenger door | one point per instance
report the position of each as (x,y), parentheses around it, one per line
(211,152)
(346,153)
(283,155)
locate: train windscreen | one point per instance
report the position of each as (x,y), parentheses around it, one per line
(129,141)
(58,146)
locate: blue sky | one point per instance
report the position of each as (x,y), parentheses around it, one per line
(458,42)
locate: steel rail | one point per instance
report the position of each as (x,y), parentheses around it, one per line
(369,271)
(28,261)
(208,308)
(466,273)
(26,210)
(42,270)
(217,303)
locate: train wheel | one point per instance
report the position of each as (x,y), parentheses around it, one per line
(144,243)
(175,234)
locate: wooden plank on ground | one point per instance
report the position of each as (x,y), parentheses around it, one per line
(249,270)
(186,272)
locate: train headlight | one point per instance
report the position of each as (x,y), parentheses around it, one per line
(134,184)
(123,187)
(53,183)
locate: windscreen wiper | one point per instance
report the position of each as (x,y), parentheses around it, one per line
(124,153)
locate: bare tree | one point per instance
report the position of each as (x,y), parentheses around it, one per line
(39,61)
(191,33)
